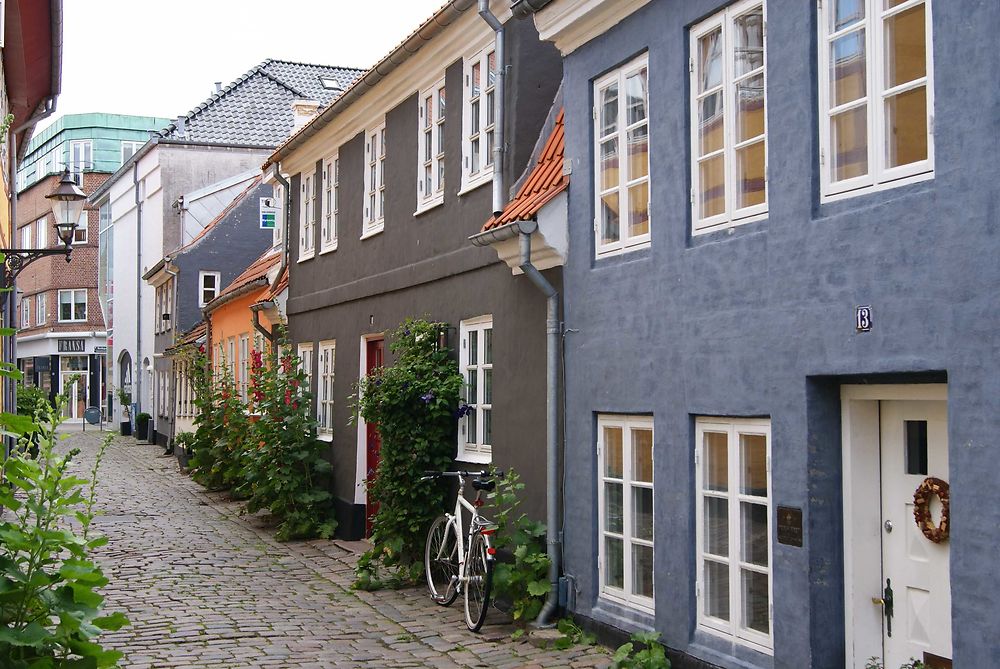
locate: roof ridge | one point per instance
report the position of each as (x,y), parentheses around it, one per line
(298,62)
(218,95)
(282,82)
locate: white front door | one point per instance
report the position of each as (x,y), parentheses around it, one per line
(74,387)
(914,446)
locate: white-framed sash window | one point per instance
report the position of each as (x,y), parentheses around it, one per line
(231,362)
(305,353)
(621,153)
(728,118)
(25,312)
(307,216)
(208,287)
(244,366)
(430,159)
(129,149)
(41,308)
(876,95)
(331,204)
(475,434)
(324,396)
(278,234)
(42,233)
(375,156)
(26,237)
(80,158)
(479,114)
(625,500)
(733,524)
(73,305)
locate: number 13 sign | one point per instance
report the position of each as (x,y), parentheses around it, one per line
(863,319)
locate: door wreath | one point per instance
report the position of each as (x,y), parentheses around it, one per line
(930,487)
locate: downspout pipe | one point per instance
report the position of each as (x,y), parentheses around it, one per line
(546,618)
(285,223)
(268,335)
(137,381)
(500,87)
(173,377)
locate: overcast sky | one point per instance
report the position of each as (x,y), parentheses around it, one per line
(162,58)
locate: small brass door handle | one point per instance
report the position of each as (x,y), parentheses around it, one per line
(878,601)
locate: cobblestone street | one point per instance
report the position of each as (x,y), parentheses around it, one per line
(205,587)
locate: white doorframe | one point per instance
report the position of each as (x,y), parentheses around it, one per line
(361,466)
(861,489)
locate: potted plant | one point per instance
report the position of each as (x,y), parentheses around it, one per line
(184,447)
(125,400)
(142,425)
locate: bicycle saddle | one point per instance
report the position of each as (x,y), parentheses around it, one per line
(484,484)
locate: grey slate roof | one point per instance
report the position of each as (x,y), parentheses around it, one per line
(255,110)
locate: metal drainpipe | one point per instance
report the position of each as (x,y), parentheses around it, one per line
(546,618)
(498,147)
(173,330)
(264,332)
(285,223)
(137,381)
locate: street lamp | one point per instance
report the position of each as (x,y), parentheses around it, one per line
(67,205)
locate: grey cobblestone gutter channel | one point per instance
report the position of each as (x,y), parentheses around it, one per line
(206,587)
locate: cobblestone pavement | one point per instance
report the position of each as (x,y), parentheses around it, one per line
(205,587)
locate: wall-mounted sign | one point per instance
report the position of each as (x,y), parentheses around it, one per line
(268,213)
(863,318)
(100,349)
(790,526)
(71,345)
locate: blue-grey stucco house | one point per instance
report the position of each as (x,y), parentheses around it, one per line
(781,327)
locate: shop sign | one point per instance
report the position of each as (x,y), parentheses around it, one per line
(71,345)
(100,349)
(790,526)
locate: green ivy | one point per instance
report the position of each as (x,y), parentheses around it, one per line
(522,580)
(414,404)
(50,607)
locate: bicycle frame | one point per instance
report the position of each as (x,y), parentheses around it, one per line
(476,525)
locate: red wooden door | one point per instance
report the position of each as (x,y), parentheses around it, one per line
(375,351)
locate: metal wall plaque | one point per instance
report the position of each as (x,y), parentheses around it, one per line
(790,526)
(71,345)
(863,318)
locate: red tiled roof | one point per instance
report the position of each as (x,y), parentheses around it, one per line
(195,333)
(257,270)
(544,183)
(276,289)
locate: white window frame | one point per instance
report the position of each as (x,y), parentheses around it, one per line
(134,145)
(307,216)
(41,309)
(78,164)
(25,312)
(42,233)
(626,424)
(244,366)
(480,130)
(477,451)
(26,236)
(624,243)
(732,216)
(231,366)
(375,162)
(327,358)
(73,301)
(430,133)
(202,288)
(82,226)
(879,176)
(733,628)
(278,234)
(331,204)
(305,355)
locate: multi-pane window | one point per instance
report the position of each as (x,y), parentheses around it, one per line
(480,112)
(733,524)
(306,364)
(208,286)
(324,392)
(80,233)
(25,312)
(278,234)
(231,360)
(129,149)
(430,170)
(307,214)
(41,314)
(625,499)
(621,136)
(244,365)
(876,93)
(42,233)
(475,435)
(73,305)
(728,119)
(80,159)
(375,148)
(26,237)
(331,203)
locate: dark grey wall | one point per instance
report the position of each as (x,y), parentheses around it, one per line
(424,266)
(760,322)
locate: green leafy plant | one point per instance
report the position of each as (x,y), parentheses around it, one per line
(521,578)
(33,402)
(184,440)
(50,607)
(414,404)
(652,655)
(572,634)
(222,427)
(125,401)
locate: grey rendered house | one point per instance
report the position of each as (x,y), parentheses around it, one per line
(782,327)
(390,181)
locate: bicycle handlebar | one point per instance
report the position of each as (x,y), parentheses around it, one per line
(429,474)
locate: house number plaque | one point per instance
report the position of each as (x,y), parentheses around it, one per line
(863,318)
(790,526)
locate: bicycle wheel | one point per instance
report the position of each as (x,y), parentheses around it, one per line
(441,561)
(479,570)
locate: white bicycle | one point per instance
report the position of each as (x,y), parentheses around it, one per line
(455,564)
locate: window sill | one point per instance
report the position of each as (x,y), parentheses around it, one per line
(623,250)
(368,234)
(305,257)
(875,188)
(728,224)
(427,206)
(475,458)
(473,184)
(327,437)
(77,320)
(328,249)
(617,600)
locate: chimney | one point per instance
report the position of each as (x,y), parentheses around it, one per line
(218,87)
(179,124)
(302,112)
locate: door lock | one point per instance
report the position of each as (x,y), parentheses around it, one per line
(888,527)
